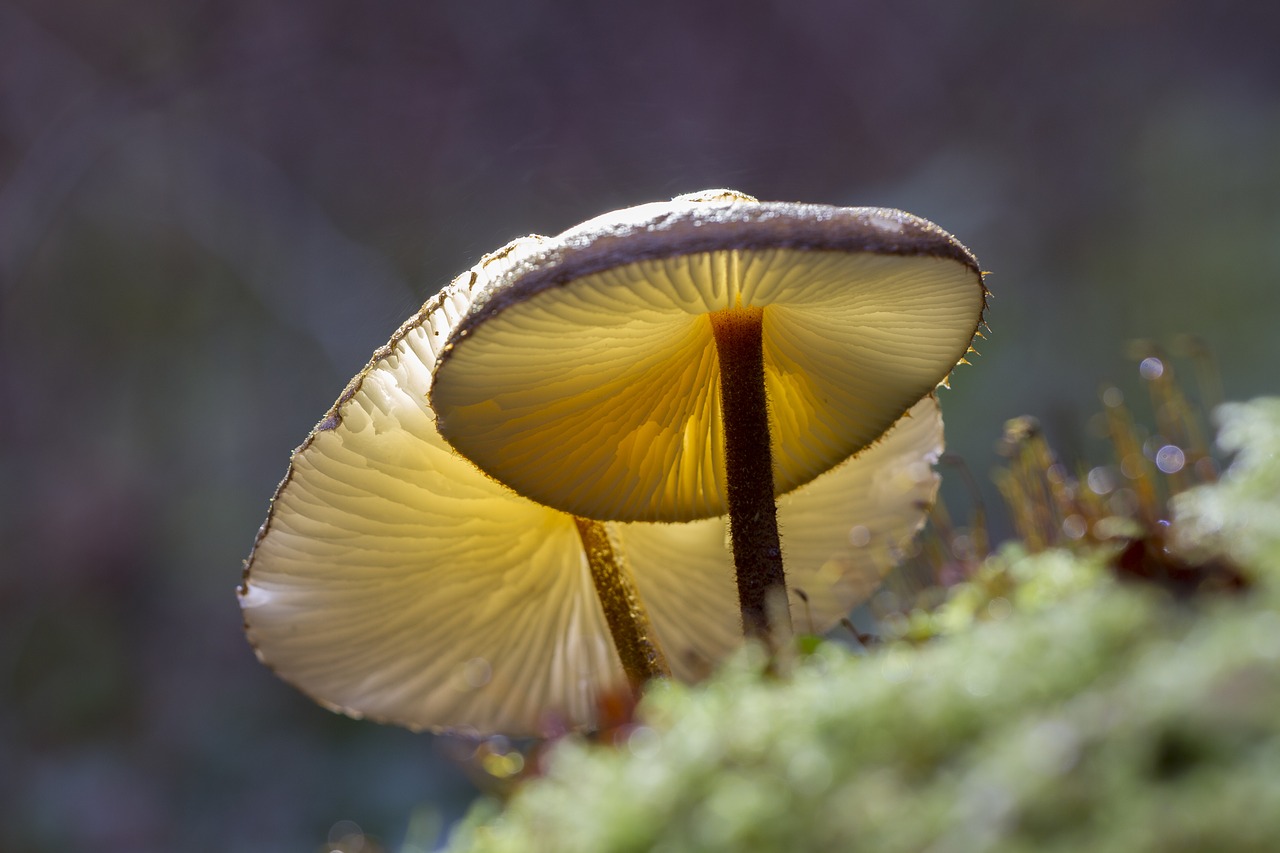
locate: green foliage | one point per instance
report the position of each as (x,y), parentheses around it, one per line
(1045,706)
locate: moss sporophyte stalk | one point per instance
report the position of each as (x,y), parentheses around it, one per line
(522,503)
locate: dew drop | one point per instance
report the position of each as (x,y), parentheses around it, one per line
(999,608)
(1101,480)
(1170,459)
(859,536)
(1151,368)
(642,741)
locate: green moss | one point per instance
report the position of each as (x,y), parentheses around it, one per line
(1240,515)
(1045,706)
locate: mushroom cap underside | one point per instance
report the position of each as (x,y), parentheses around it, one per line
(396,581)
(586,378)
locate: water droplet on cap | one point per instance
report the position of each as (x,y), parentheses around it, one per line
(1151,368)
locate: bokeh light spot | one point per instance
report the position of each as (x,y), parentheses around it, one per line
(1170,459)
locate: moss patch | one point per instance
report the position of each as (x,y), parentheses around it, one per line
(1044,706)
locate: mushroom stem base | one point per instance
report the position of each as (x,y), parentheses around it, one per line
(642,658)
(748,460)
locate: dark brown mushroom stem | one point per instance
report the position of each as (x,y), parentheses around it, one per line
(748,461)
(642,658)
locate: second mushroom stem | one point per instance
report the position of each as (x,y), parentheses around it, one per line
(753,512)
(641,657)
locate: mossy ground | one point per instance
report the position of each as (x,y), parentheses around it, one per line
(1048,704)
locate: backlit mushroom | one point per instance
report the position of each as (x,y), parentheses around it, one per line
(692,358)
(394,580)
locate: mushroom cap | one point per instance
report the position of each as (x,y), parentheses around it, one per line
(393,580)
(585,376)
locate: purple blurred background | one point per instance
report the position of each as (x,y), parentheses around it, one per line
(212,212)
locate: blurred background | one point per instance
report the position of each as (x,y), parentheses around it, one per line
(212,212)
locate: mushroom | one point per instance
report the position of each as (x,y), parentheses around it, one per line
(687,359)
(394,580)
